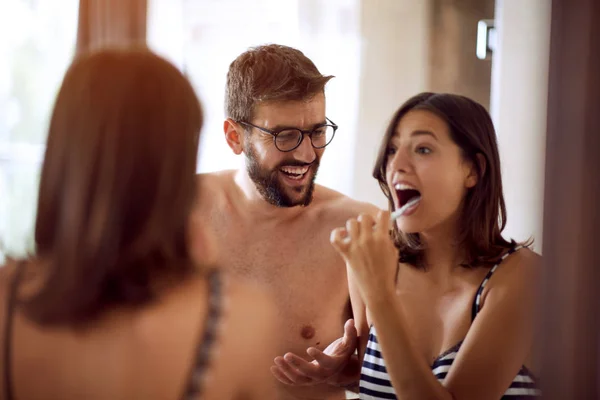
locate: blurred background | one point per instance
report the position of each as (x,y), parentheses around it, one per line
(380,51)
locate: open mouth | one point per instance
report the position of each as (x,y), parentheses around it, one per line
(405,193)
(295,172)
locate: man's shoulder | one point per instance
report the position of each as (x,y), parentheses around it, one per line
(215,178)
(213,188)
(343,205)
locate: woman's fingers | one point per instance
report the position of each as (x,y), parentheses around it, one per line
(366,223)
(353,229)
(383,223)
(339,239)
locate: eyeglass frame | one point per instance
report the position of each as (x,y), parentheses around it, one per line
(304,132)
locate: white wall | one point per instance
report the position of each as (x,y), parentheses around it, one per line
(191,34)
(518,106)
(394,67)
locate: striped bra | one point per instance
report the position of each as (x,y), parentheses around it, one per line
(375,382)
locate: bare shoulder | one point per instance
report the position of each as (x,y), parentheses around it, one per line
(7,273)
(6,276)
(342,206)
(517,275)
(521,264)
(211,181)
(212,188)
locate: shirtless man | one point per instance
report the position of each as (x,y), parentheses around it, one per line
(270,222)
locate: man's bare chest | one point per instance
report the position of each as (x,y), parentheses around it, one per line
(282,256)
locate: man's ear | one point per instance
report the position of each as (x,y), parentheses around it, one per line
(234,135)
(476,173)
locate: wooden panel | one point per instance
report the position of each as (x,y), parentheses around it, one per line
(454,66)
(111,22)
(570,328)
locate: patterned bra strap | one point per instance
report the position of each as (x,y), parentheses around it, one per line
(477,301)
(206,345)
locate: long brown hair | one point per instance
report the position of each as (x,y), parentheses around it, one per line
(484,212)
(117,184)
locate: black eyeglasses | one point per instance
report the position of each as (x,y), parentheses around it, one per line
(289,139)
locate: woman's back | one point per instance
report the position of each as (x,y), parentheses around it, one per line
(112,305)
(146,353)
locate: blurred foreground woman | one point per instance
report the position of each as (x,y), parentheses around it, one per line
(111,305)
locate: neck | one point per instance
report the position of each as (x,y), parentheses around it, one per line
(442,253)
(255,204)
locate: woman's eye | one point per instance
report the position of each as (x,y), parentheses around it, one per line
(423,150)
(391,151)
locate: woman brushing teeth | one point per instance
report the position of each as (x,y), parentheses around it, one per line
(444,308)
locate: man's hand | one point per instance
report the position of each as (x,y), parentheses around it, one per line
(335,365)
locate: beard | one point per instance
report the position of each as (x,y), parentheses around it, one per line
(269,185)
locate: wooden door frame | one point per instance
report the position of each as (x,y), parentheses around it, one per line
(569,331)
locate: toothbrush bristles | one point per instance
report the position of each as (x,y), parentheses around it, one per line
(399,212)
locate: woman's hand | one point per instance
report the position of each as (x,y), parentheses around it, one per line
(368,250)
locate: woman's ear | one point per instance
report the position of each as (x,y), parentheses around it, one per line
(233,135)
(476,172)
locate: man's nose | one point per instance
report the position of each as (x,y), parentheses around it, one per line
(305,152)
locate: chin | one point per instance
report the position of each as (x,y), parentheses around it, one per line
(300,199)
(409,228)
(411,225)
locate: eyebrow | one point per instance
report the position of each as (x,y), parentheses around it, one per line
(423,133)
(278,128)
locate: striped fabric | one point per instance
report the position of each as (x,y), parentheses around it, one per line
(375,381)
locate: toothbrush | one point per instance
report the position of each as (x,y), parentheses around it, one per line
(399,212)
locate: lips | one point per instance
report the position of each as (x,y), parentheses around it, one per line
(295,172)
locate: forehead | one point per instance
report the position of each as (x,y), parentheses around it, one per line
(421,120)
(300,114)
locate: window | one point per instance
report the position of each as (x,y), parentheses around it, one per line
(38,41)
(203,37)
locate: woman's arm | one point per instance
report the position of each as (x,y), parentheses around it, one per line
(497,343)
(409,372)
(501,337)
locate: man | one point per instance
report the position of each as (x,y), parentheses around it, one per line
(270,221)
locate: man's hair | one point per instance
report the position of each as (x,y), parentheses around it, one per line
(270,73)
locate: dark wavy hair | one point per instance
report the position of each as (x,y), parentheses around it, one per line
(484,212)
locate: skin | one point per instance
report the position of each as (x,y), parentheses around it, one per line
(427,311)
(284,250)
(143,353)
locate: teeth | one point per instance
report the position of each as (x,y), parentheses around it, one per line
(404,186)
(295,170)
